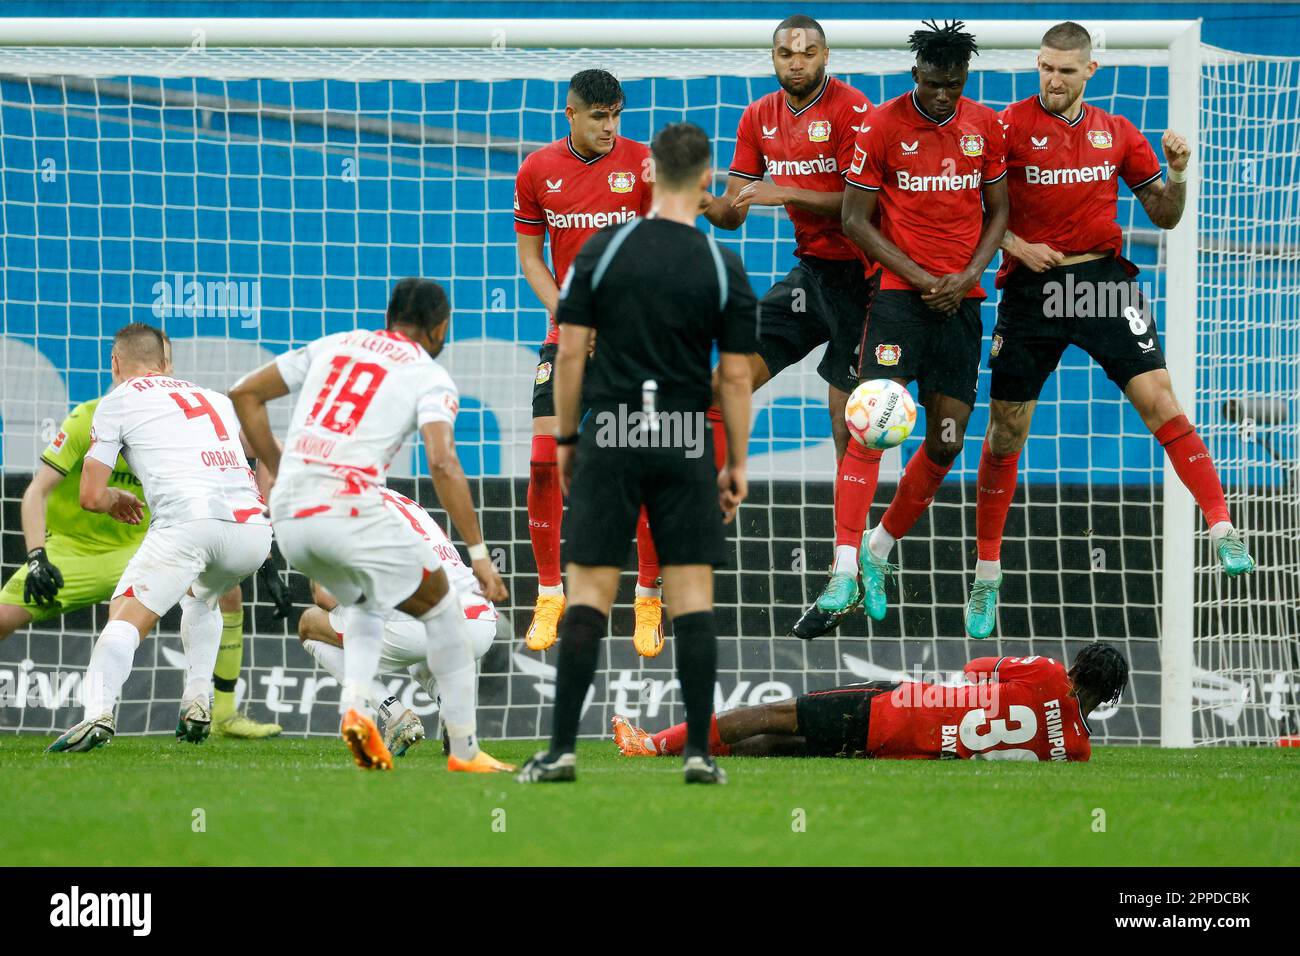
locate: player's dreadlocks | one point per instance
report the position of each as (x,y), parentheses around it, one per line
(1101,670)
(946,47)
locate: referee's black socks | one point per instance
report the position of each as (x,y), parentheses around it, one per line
(695,642)
(581,630)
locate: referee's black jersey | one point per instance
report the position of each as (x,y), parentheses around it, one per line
(660,294)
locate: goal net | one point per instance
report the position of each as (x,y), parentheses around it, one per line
(250,195)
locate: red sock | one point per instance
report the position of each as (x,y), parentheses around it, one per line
(921,479)
(1191,460)
(996,486)
(855,486)
(647,559)
(719,437)
(672,742)
(545,510)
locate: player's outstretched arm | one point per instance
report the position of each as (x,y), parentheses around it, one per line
(1164,199)
(724,211)
(98,497)
(35,497)
(249,396)
(536,271)
(858,208)
(453,494)
(760,192)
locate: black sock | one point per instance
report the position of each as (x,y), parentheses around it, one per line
(581,630)
(695,637)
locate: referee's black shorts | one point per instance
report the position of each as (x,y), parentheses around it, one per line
(835,722)
(678,486)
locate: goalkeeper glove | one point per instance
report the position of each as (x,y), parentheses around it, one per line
(43,579)
(268,577)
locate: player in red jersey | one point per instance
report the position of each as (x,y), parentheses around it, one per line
(932,163)
(569,190)
(801,136)
(1064,282)
(1015,708)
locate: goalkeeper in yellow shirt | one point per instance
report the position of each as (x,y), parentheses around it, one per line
(75,559)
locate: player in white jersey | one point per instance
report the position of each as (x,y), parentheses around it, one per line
(362,394)
(321,630)
(208,530)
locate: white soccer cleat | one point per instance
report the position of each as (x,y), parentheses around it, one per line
(403,732)
(87,735)
(195,722)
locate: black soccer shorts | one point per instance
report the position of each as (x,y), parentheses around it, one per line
(834,723)
(544,382)
(905,338)
(678,486)
(820,301)
(1095,305)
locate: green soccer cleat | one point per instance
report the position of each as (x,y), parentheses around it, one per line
(87,735)
(403,732)
(982,608)
(841,596)
(195,722)
(245,728)
(1233,555)
(874,572)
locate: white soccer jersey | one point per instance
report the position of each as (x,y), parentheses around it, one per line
(362,394)
(182,442)
(459,575)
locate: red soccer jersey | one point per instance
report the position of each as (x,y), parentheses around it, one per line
(929,176)
(569,197)
(1020,710)
(809,148)
(1064,176)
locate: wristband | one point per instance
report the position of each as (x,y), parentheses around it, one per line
(567,439)
(1177,176)
(478,551)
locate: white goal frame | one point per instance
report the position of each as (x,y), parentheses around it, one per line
(1182,39)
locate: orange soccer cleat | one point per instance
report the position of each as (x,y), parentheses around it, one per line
(546,621)
(483,762)
(648,638)
(633,741)
(365,741)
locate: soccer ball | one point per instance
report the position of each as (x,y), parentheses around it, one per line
(880,413)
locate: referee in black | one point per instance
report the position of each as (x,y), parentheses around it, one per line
(660,294)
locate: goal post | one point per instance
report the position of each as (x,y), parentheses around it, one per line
(253,183)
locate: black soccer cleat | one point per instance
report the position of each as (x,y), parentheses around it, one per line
(702,770)
(563,769)
(815,622)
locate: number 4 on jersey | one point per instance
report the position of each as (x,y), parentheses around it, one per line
(201,408)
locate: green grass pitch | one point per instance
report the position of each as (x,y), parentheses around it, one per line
(140,801)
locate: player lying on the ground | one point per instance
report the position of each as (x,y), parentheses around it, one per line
(931,161)
(1065,159)
(208,529)
(75,558)
(567,190)
(802,136)
(1017,708)
(321,631)
(361,394)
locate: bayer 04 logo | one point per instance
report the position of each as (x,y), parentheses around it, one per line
(880,413)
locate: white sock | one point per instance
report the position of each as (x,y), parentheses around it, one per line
(1219,529)
(649,592)
(330,658)
(881,542)
(421,674)
(109,667)
(201,634)
(846,560)
(553,590)
(988,570)
(361,652)
(452,663)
